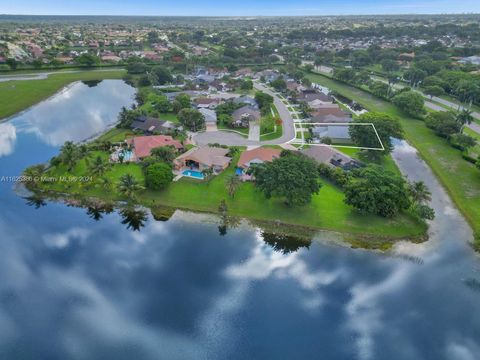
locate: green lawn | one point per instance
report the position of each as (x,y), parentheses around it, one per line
(459,177)
(475,151)
(327,210)
(387,162)
(115,135)
(241,131)
(16,96)
(169,117)
(273,135)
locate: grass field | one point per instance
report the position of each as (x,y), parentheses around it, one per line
(459,177)
(326,211)
(115,135)
(18,95)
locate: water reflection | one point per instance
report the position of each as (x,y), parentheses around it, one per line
(133,217)
(285,244)
(77,285)
(8,137)
(97,209)
(77,112)
(91,83)
(36,200)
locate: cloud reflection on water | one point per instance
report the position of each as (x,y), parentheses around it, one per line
(76,113)
(8,137)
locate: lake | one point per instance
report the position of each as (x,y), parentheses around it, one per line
(81,284)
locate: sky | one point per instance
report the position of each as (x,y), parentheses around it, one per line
(237,8)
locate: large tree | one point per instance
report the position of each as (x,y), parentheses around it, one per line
(292,176)
(377,191)
(263,100)
(411,102)
(162,75)
(181,102)
(444,123)
(386,126)
(191,119)
(158,176)
(164,154)
(87,60)
(279,84)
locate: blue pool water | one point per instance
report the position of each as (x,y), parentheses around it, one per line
(127,155)
(193,174)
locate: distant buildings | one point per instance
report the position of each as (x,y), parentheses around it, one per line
(473,60)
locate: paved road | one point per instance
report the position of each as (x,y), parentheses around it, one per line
(434,101)
(233,139)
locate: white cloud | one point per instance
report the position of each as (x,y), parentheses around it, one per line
(364,314)
(62,240)
(463,350)
(8,137)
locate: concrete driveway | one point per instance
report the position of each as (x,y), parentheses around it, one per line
(233,139)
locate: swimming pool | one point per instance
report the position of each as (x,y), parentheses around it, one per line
(127,155)
(193,174)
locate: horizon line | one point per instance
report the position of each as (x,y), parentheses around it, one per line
(246,16)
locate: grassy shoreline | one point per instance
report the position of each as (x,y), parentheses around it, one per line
(19,95)
(445,161)
(327,211)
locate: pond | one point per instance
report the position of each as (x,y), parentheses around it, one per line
(83,284)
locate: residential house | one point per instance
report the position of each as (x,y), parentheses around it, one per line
(242,116)
(202,158)
(151,55)
(259,155)
(330,115)
(268,75)
(310,95)
(143,145)
(330,156)
(204,79)
(153,125)
(111,58)
(246,100)
(294,86)
(243,72)
(319,104)
(473,60)
(337,133)
(172,95)
(218,85)
(208,103)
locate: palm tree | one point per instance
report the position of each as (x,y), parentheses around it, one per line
(105,183)
(464,117)
(419,192)
(98,167)
(69,154)
(129,186)
(207,172)
(32,174)
(36,200)
(232,182)
(134,218)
